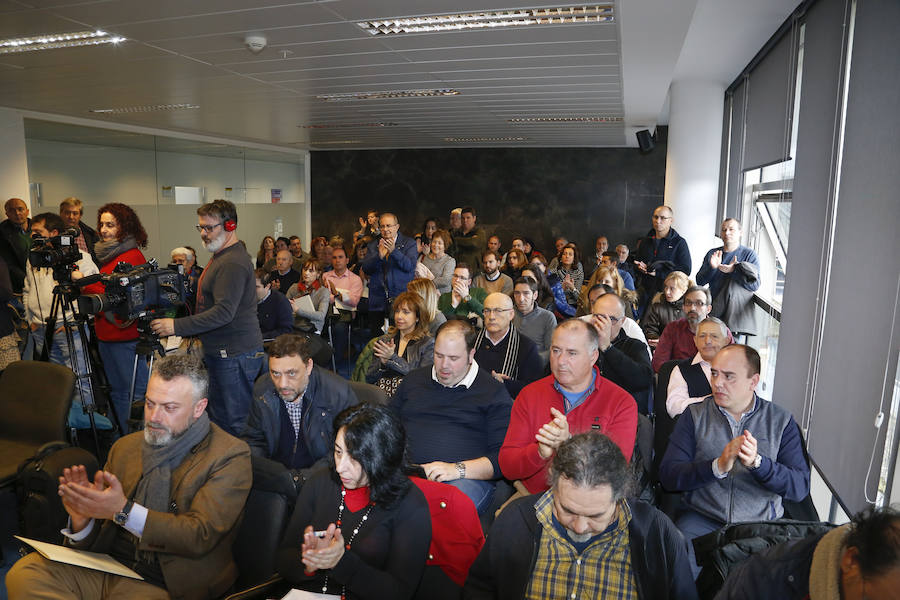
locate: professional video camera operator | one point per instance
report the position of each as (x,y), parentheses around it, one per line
(38,299)
(225,319)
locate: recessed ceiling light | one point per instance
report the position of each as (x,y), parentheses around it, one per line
(485,139)
(345,125)
(58,40)
(565,120)
(143,109)
(601,13)
(386,95)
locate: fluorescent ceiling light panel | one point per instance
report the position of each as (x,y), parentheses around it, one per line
(143,109)
(485,139)
(345,125)
(57,40)
(566,120)
(598,13)
(386,95)
(331,143)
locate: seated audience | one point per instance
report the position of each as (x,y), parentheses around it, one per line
(607,275)
(500,349)
(736,455)
(584,535)
(290,419)
(623,360)
(532,321)
(438,263)
(857,561)
(666,306)
(612,259)
(463,300)
(570,273)
(368,227)
(310,319)
(559,244)
(689,380)
(491,279)
(283,243)
(623,264)
(284,275)
(677,339)
(274,310)
(574,398)
(561,307)
(456,415)
(429,294)
(166,504)
(515,262)
(629,325)
(406,346)
(360,529)
(295,245)
(266,251)
(545,297)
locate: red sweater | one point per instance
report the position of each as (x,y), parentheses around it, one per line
(106,331)
(609,409)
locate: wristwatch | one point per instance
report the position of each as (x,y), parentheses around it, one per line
(121,517)
(461,468)
(756,463)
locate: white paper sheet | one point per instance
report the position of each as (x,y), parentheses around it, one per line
(80,558)
(303,595)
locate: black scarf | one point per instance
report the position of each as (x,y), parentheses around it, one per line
(511,360)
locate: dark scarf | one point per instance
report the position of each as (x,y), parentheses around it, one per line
(511,360)
(106,251)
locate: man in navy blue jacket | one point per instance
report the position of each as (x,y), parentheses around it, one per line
(735,455)
(390,264)
(658,254)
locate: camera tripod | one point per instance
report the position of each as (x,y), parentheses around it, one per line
(64,295)
(148,346)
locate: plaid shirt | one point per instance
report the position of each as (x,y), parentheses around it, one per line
(602,570)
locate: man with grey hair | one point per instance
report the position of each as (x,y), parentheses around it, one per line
(582,538)
(71,210)
(574,398)
(689,381)
(166,504)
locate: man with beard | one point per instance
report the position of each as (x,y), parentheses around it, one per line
(491,279)
(225,318)
(290,419)
(677,339)
(166,504)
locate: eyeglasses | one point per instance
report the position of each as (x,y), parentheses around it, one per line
(611,318)
(495,311)
(207,228)
(695,303)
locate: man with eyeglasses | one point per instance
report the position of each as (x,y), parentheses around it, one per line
(510,357)
(623,360)
(463,300)
(659,253)
(291,417)
(225,318)
(677,339)
(390,264)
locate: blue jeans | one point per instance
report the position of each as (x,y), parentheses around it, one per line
(340,342)
(693,525)
(231,388)
(60,355)
(118,362)
(481,492)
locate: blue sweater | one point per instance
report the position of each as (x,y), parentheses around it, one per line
(716,278)
(452,424)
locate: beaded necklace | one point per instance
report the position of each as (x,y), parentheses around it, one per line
(349,543)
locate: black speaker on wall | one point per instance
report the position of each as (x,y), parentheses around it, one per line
(645,140)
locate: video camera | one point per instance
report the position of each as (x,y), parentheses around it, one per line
(58,252)
(136,292)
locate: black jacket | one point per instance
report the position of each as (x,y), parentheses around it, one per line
(91,237)
(327,395)
(627,364)
(671,254)
(13,253)
(658,555)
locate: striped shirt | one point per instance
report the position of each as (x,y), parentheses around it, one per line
(603,569)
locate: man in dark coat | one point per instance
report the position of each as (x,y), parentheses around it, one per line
(658,254)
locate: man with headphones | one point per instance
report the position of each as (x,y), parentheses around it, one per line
(225,318)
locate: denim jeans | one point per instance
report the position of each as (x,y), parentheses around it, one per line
(231,388)
(340,342)
(60,355)
(118,362)
(481,492)
(693,525)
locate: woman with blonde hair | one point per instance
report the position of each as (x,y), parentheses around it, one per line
(608,275)
(406,346)
(666,306)
(425,288)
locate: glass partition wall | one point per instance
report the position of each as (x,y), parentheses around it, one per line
(164,179)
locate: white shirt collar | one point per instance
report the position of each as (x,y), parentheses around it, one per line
(466,381)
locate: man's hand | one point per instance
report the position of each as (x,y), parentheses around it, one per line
(604,330)
(163,327)
(385,247)
(730,453)
(461,288)
(332,289)
(441,471)
(640,266)
(384,350)
(729,267)
(362,222)
(499,376)
(715,259)
(275,284)
(747,453)
(321,553)
(552,434)
(85,501)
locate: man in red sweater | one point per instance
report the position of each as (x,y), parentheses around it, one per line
(575,398)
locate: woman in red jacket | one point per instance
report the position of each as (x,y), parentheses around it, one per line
(121,236)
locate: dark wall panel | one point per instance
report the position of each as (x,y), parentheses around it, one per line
(579,192)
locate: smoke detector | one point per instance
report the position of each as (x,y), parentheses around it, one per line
(255,42)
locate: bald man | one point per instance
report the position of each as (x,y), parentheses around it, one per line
(15,241)
(510,357)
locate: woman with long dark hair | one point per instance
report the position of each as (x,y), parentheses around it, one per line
(121,238)
(266,251)
(360,529)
